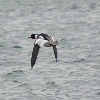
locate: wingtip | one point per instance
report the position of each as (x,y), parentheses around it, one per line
(31,67)
(56,60)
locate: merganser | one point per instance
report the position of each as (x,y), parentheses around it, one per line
(42,40)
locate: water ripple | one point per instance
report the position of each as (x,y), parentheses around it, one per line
(14,72)
(17,47)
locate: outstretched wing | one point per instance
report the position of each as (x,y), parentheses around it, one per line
(34,54)
(55,52)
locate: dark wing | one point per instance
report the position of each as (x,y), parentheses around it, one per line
(34,54)
(55,52)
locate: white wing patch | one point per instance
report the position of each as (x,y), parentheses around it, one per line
(40,42)
(36,36)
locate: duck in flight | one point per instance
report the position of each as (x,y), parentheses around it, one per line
(42,40)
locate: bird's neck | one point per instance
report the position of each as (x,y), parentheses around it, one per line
(36,36)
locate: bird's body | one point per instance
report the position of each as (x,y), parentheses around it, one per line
(42,40)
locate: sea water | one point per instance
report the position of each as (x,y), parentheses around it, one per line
(76,26)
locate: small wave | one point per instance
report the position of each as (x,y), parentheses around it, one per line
(98,93)
(16,81)
(23,85)
(79,60)
(75,61)
(65,62)
(13,72)
(74,6)
(17,47)
(1,46)
(51,83)
(44,89)
(93,6)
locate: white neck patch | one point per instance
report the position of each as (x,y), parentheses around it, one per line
(36,36)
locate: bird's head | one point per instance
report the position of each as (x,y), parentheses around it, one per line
(33,36)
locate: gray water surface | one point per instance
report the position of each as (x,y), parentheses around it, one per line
(75,24)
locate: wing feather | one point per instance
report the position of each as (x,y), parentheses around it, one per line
(55,52)
(34,54)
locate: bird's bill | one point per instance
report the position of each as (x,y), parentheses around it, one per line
(29,37)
